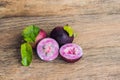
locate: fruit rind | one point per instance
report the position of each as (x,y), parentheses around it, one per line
(68,57)
(41,35)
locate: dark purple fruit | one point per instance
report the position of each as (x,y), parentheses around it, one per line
(62,35)
(71,52)
(47,49)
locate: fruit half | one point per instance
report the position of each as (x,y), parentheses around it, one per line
(71,52)
(47,49)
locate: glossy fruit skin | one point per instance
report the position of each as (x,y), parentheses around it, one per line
(69,59)
(55,47)
(61,36)
(41,35)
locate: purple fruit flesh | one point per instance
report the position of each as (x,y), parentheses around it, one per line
(71,52)
(47,49)
(61,36)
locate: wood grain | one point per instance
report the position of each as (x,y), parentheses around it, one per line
(57,7)
(98,35)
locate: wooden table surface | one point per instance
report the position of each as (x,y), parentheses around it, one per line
(98,34)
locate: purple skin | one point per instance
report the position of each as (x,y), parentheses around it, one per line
(47,49)
(71,52)
(61,36)
(69,60)
(41,35)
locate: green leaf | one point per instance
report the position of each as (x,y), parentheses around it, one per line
(69,30)
(26,54)
(30,32)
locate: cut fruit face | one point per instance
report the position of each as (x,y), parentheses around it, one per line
(71,52)
(47,49)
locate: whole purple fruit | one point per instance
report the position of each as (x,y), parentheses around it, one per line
(62,35)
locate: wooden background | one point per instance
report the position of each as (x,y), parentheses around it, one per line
(96,22)
(58,7)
